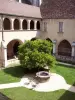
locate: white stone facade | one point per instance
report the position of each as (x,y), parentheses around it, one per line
(59,38)
(24,32)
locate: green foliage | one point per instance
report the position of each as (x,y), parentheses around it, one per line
(36,54)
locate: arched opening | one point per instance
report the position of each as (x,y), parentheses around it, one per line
(38,25)
(32,24)
(16,24)
(12,48)
(64,48)
(6,24)
(24,24)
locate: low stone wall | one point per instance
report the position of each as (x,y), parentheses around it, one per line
(66,59)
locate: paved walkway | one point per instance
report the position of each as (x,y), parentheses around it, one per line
(56,82)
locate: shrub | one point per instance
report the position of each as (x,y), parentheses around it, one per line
(36,54)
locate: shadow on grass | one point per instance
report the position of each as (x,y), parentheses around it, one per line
(4,97)
(68,95)
(19,71)
(16,71)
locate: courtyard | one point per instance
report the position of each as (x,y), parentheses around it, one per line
(16,73)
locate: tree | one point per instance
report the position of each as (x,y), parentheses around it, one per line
(36,54)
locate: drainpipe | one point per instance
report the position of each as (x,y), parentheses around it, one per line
(2,29)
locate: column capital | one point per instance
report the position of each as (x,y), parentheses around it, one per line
(73,44)
(21,20)
(29,20)
(12,19)
(54,41)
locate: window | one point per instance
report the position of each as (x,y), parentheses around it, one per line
(60,26)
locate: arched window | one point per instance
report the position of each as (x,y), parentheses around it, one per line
(24,24)
(38,25)
(6,24)
(32,24)
(16,24)
(64,48)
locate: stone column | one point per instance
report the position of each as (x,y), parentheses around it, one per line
(73,51)
(21,20)
(4,53)
(12,24)
(40,2)
(35,25)
(28,28)
(19,1)
(54,47)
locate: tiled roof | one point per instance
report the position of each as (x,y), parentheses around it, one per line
(15,8)
(55,9)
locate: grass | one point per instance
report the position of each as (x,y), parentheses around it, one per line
(26,94)
(68,72)
(14,74)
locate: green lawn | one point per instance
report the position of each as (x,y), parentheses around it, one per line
(26,94)
(14,74)
(67,72)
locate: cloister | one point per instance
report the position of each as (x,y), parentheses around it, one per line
(20,24)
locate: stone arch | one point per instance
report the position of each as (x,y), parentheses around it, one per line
(6,24)
(38,25)
(32,24)
(12,48)
(16,24)
(24,24)
(64,48)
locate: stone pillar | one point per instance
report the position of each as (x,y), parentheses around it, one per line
(12,24)
(21,20)
(19,1)
(54,47)
(40,2)
(35,25)
(4,53)
(28,28)
(73,49)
